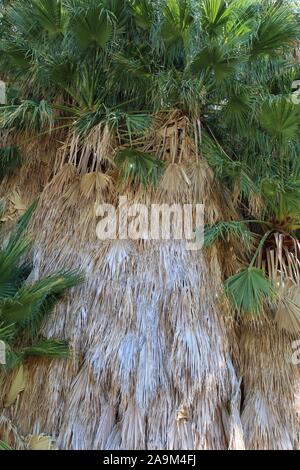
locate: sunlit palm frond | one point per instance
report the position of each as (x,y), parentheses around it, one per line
(215,14)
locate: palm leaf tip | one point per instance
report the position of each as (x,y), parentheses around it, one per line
(25,308)
(4,446)
(49,348)
(22,224)
(226,230)
(64,280)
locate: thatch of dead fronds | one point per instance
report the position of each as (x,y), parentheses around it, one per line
(153,366)
(156,360)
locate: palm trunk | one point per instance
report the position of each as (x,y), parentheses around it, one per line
(157,363)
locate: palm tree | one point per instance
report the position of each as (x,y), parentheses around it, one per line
(166,101)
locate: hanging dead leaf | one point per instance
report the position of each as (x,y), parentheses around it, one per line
(17,386)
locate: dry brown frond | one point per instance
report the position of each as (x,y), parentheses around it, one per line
(94,186)
(87,154)
(269,379)
(10,435)
(71,197)
(201,179)
(60,183)
(287,312)
(281,260)
(175,184)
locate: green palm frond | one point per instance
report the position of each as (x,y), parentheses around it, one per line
(48,348)
(248,290)
(7,333)
(214,58)
(60,70)
(25,307)
(177,20)
(29,115)
(131,124)
(215,14)
(238,111)
(14,358)
(9,260)
(50,15)
(282,197)
(19,16)
(277,29)
(12,273)
(86,120)
(17,54)
(280,118)
(139,167)
(143,12)
(21,225)
(137,124)
(4,446)
(92,24)
(223,166)
(133,67)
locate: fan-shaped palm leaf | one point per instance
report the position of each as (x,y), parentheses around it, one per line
(276,30)
(215,14)
(92,24)
(280,118)
(214,57)
(248,289)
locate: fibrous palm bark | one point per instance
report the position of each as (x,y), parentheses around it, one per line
(153,360)
(157,360)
